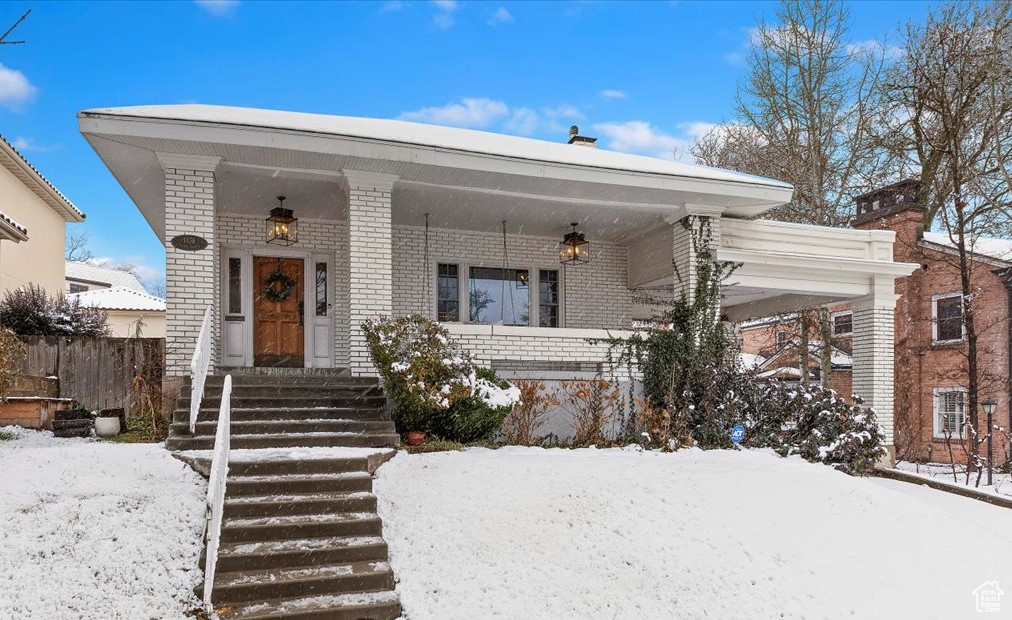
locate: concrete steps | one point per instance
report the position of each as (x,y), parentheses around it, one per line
(301,540)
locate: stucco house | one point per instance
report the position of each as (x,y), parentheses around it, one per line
(129,308)
(471,228)
(33,220)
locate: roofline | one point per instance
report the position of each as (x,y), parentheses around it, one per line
(11,230)
(948,249)
(106,115)
(44,189)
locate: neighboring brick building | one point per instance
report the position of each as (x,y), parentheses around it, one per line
(930,351)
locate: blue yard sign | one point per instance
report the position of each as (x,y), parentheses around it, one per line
(737,434)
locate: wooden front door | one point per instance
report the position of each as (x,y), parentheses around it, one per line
(278,330)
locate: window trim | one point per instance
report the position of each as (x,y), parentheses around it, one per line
(464,287)
(934,318)
(936,418)
(832,323)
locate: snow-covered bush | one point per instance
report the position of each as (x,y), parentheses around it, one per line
(434,384)
(28,311)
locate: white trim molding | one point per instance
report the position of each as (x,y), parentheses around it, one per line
(178,161)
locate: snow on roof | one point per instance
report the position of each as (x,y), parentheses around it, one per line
(28,174)
(17,231)
(751,361)
(119,298)
(438,136)
(97,274)
(985,246)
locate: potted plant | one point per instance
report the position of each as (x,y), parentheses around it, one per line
(107,424)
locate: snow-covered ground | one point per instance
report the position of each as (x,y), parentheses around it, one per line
(941,472)
(612,534)
(96,530)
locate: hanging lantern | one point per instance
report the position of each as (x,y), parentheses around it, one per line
(575,248)
(282,226)
(523,278)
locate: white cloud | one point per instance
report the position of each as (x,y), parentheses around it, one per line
(642,138)
(875,48)
(501,16)
(444,18)
(470,112)
(217,7)
(614,94)
(29,145)
(15,89)
(485,113)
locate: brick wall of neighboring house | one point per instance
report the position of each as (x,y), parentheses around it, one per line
(923,366)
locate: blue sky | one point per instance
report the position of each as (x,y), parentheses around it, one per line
(643,77)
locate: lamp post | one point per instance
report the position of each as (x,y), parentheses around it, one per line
(989,406)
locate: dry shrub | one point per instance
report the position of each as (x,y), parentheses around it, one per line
(653,424)
(12,356)
(527,416)
(591,406)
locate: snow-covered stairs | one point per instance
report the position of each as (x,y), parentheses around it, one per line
(301,540)
(288,410)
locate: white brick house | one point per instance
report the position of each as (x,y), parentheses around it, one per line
(399,218)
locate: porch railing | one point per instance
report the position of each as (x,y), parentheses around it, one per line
(216,488)
(198,368)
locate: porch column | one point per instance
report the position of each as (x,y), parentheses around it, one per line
(370,260)
(699,221)
(191,277)
(874,343)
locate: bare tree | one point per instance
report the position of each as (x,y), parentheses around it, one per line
(948,118)
(76,247)
(804,112)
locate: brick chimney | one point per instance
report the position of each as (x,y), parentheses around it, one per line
(897,207)
(577,139)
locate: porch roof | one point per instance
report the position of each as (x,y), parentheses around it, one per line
(422,156)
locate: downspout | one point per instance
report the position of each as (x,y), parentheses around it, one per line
(1006,278)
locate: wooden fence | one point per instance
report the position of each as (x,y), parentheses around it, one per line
(100,373)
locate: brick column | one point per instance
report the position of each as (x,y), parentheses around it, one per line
(191,278)
(874,342)
(683,251)
(370,260)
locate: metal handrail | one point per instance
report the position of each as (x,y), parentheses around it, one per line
(216,488)
(198,368)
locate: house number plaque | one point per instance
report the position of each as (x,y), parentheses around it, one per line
(189,243)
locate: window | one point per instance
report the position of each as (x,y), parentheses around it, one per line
(77,288)
(781,340)
(548,298)
(950,411)
(843,323)
(448,293)
(321,289)
(235,285)
(947,312)
(494,297)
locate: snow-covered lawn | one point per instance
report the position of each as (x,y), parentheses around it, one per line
(941,472)
(96,530)
(611,534)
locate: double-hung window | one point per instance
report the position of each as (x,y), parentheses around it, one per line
(448,293)
(843,323)
(947,318)
(548,298)
(950,412)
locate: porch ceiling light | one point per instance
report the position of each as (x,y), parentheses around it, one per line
(574,249)
(282,225)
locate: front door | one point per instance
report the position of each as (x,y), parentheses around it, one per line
(278,329)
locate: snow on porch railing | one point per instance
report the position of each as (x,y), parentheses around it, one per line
(216,488)
(198,368)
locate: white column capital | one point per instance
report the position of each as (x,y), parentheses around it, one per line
(373,180)
(875,301)
(704,210)
(188,162)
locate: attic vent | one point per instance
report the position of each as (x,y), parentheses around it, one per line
(577,139)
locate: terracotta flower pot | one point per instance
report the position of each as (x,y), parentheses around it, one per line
(414,438)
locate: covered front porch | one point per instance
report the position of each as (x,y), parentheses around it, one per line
(463,227)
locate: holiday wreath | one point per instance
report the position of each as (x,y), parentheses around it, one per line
(278,293)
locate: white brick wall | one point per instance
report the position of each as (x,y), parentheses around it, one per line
(191,279)
(685,254)
(369,260)
(316,236)
(874,325)
(595,294)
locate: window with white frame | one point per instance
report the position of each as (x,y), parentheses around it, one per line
(947,317)
(950,411)
(493,295)
(842,323)
(781,340)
